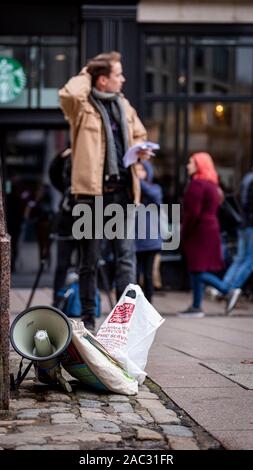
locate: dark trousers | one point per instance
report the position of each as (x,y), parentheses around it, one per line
(65,249)
(124,256)
(200,280)
(145,261)
(123,249)
(89,254)
(125,264)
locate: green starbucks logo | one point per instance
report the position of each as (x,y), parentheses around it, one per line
(12,79)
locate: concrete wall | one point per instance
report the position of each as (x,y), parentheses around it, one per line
(195,11)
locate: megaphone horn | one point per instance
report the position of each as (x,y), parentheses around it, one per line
(41,334)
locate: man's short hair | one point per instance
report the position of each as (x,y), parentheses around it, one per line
(102,65)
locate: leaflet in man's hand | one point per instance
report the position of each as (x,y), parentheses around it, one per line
(131,156)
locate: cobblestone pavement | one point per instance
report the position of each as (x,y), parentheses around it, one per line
(41,418)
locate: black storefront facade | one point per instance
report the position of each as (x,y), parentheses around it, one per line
(51,49)
(192,84)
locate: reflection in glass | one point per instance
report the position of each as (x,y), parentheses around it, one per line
(221,70)
(160,124)
(223,130)
(57,65)
(47,68)
(185,73)
(160,69)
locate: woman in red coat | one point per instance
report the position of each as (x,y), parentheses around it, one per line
(200,230)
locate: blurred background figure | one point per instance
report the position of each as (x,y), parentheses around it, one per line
(60,177)
(200,230)
(156,276)
(242,266)
(147,248)
(15,205)
(40,212)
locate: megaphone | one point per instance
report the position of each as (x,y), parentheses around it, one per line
(41,334)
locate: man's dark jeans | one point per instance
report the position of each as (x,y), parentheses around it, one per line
(89,253)
(123,249)
(124,255)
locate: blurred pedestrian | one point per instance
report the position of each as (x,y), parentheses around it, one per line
(148,247)
(201,232)
(242,265)
(15,217)
(40,211)
(60,177)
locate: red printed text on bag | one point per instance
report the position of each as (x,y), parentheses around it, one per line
(122,313)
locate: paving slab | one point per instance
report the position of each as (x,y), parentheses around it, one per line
(217,408)
(224,333)
(237,372)
(232,323)
(184,368)
(188,380)
(204,347)
(217,400)
(234,440)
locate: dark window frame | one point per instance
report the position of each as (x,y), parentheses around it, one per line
(183,34)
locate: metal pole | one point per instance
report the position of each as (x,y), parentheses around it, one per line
(4,306)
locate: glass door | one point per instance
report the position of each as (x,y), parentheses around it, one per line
(31,201)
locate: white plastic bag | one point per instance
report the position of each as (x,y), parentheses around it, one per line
(88,361)
(129,330)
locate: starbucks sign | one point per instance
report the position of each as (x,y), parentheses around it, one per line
(12,79)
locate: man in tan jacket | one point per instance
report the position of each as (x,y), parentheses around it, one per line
(103,126)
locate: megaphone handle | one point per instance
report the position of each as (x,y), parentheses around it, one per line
(20,377)
(63,382)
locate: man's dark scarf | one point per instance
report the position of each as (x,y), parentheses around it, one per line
(96,98)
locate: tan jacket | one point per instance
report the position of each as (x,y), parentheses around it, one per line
(88,136)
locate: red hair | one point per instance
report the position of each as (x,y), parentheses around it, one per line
(205,167)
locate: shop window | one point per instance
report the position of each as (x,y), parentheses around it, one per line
(225,66)
(221,63)
(199,87)
(199,58)
(46,63)
(190,114)
(160,66)
(160,124)
(149,81)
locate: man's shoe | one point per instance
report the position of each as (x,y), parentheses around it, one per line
(191,312)
(89,323)
(232,298)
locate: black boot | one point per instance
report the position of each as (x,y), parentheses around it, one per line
(89,322)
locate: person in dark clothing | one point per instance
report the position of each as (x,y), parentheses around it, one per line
(40,211)
(60,177)
(147,248)
(201,233)
(242,266)
(15,217)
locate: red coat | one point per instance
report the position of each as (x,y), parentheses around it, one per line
(200,228)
